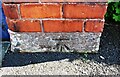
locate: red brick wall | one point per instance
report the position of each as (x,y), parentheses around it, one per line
(55,15)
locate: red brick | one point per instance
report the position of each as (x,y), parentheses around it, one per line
(41,11)
(24,26)
(51,0)
(6,1)
(63,25)
(10,24)
(54,0)
(94,26)
(11,11)
(84,10)
(73,0)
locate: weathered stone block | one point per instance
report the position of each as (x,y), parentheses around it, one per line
(55,42)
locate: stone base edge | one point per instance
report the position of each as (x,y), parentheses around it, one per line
(55,42)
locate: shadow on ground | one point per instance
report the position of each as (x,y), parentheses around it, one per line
(109,52)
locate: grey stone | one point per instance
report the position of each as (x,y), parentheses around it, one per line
(55,42)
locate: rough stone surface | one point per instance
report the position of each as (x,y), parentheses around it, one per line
(56,42)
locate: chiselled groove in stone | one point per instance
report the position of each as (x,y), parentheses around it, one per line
(56,42)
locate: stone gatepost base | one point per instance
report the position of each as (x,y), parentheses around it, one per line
(55,42)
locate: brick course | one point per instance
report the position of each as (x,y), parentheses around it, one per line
(41,11)
(84,11)
(55,16)
(37,1)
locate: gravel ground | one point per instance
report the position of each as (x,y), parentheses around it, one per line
(106,62)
